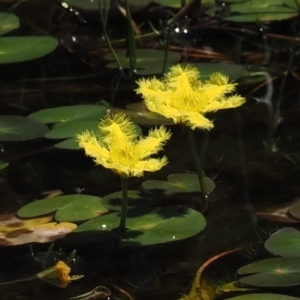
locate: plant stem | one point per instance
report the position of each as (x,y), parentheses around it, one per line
(124,183)
(199,168)
(166,49)
(131,39)
(17,281)
(107,39)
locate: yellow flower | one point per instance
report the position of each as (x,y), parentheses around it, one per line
(119,147)
(58,275)
(182,96)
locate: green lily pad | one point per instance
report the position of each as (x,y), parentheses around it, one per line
(142,117)
(233,71)
(260,8)
(291,3)
(19,49)
(263,296)
(145,58)
(70,144)
(88,4)
(68,113)
(179,183)
(169,3)
(284,242)
(71,208)
(272,272)
(13,128)
(3,165)
(261,17)
(71,128)
(148,227)
(294,209)
(113,201)
(235,1)
(8,22)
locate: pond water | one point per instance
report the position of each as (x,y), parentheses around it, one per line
(251,154)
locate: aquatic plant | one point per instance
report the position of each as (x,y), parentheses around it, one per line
(183,97)
(58,275)
(122,150)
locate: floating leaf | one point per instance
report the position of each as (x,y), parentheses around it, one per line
(278,213)
(3,165)
(42,233)
(263,296)
(11,222)
(260,8)
(71,128)
(142,117)
(179,183)
(88,4)
(8,22)
(261,17)
(68,113)
(19,49)
(113,201)
(147,227)
(13,128)
(233,71)
(70,144)
(78,207)
(272,272)
(145,58)
(284,242)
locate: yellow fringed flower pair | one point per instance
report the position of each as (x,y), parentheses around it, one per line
(183,97)
(119,147)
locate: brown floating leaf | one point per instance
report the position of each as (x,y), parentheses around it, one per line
(42,233)
(278,213)
(10,222)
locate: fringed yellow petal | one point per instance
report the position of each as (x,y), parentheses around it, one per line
(229,102)
(118,122)
(91,145)
(119,148)
(177,71)
(150,165)
(197,120)
(218,79)
(153,143)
